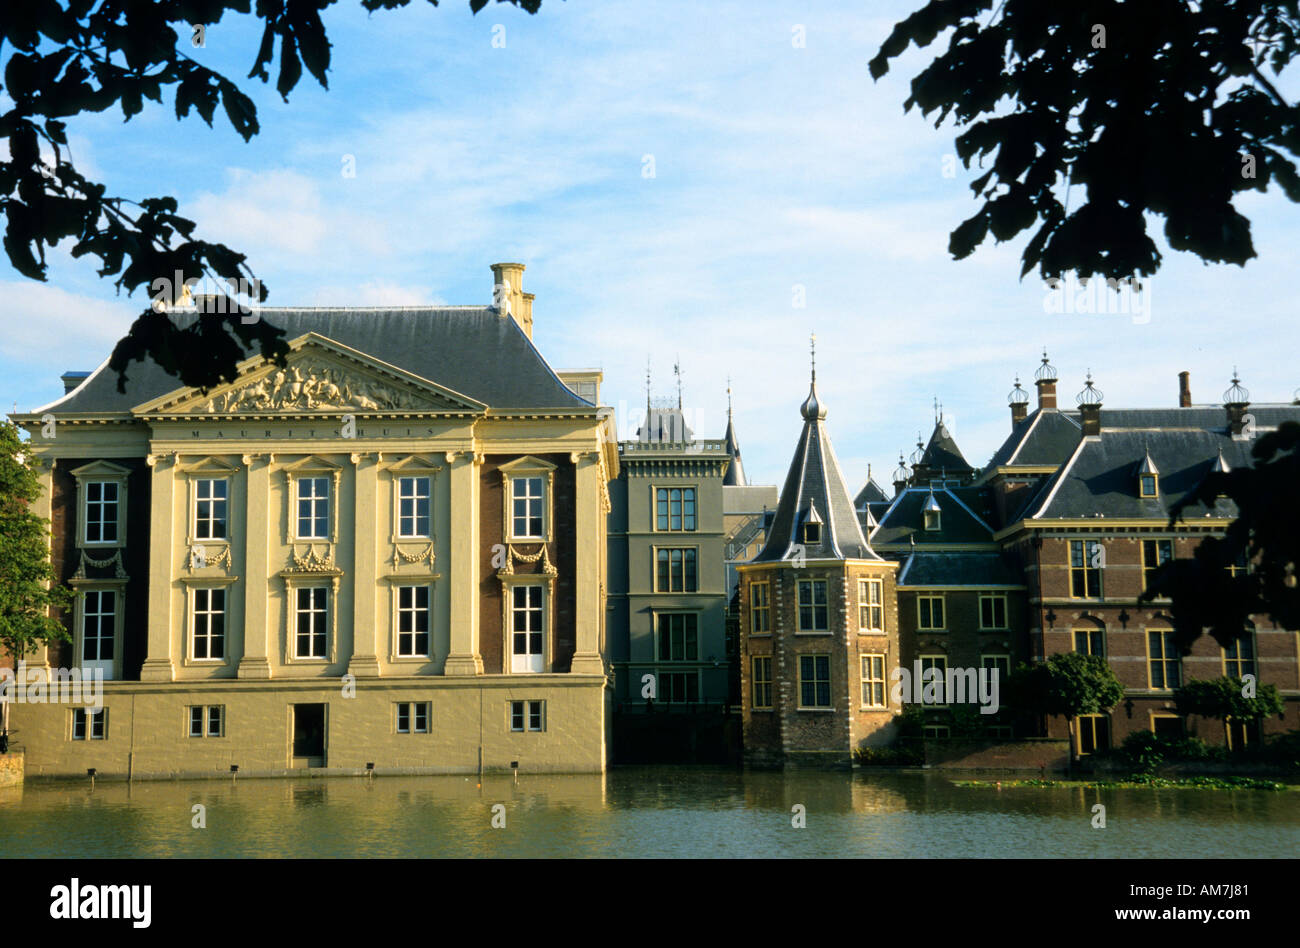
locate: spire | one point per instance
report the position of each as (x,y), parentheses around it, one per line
(815,493)
(647,385)
(677,371)
(735,476)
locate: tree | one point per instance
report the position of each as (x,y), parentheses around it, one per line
(1066,685)
(1154,107)
(78,56)
(28,588)
(1225,699)
(1250,570)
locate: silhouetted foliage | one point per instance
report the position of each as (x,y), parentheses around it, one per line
(1101,112)
(66,58)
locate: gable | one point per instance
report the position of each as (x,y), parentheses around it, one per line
(322,377)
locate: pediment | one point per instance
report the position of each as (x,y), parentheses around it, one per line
(103,469)
(322,377)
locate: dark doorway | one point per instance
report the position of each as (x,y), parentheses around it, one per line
(309,735)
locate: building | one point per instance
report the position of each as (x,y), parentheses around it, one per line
(818,618)
(1082,501)
(389,551)
(667,583)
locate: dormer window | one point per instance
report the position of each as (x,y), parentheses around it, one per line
(1148,478)
(930,514)
(812,526)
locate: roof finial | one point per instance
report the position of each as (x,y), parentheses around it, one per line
(647,386)
(677,371)
(812,408)
(936,409)
(728,398)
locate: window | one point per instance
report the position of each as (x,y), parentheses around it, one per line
(999,663)
(1163,660)
(310,636)
(89,725)
(209,639)
(1094,733)
(1155,553)
(1239,658)
(815,681)
(527,715)
(413,507)
(871,605)
(813,615)
(1091,641)
(314,508)
(993,611)
(101,511)
(1086,560)
(527,506)
(936,732)
(678,637)
(763,681)
(929,612)
(1168,726)
(675,508)
(812,533)
(934,673)
(676,571)
(413,621)
(679,687)
(209,721)
(873,681)
(760,614)
(412,717)
(1242,734)
(1148,482)
(98,625)
(932,520)
(526,629)
(211,497)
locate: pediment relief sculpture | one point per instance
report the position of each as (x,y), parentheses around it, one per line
(312,386)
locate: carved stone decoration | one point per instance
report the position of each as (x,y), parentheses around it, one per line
(401,555)
(119,571)
(311,386)
(512,554)
(312,563)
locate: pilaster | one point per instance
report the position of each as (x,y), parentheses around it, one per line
(158,665)
(258,528)
(464,657)
(365,568)
(588,523)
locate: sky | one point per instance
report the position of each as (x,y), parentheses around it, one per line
(703,185)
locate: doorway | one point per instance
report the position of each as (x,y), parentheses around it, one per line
(308,736)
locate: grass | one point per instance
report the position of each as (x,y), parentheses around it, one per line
(1142,782)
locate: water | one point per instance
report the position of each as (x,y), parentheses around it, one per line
(639,812)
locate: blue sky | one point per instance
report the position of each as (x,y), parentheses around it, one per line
(775,167)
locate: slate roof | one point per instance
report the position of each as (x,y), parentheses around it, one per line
(815,481)
(1049,437)
(958,520)
(959,569)
(942,453)
(665,424)
(468,349)
(735,476)
(1042,438)
(870,493)
(1101,477)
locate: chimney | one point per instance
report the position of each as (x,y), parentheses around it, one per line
(1090,408)
(1045,381)
(1235,400)
(527,322)
(1018,399)
(508,295)
(71,380)
(1184,389)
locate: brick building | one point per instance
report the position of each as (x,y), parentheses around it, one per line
(818,620)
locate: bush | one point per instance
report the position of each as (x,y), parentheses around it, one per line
(896,756)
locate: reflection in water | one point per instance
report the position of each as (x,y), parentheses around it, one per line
(639,812)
